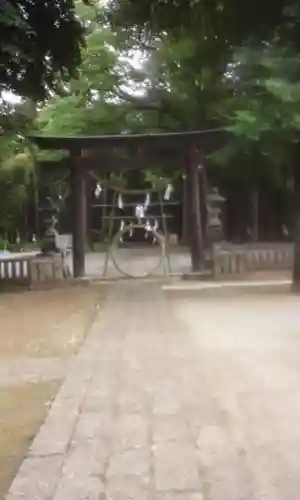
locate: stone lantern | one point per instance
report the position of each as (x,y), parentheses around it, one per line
(49,264)
(49,238)
(214,210)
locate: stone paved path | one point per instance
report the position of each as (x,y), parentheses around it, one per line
(175,400)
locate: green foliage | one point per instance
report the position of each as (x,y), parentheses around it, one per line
(190,77)
(13,195)
(266,105)
(262,113)
(168,97)
(39,41)
(187,86)
(255,90)
(3,243)
(16,163)
(228,23)
(88,104)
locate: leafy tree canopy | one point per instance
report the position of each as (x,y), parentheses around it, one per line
(38,40)
(230,21)
(264,110)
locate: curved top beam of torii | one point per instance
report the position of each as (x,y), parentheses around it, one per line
(171,141)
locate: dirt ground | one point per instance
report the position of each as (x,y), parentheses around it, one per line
(44,324)
(22,412)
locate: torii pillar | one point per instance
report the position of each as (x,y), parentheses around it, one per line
(79,223)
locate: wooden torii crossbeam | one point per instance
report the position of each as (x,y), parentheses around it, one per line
(85,151)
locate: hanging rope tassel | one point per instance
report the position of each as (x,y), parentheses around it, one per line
(120,202)
(168,192)
(98,190)
(122,225)
(147,200)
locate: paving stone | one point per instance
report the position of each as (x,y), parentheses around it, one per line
(80,488)
(179,496)
(81,374)
(224,465)
(131,431)
(64,407)
(175,467)
(133,401)
(98,401)
(92,426)
(130,463)
(169,428)
(231,480)
(54,436)
(186,401)
(87,458)
(74,387)
(215,445)
(205,412)
(166,403)
(103,383)
(37,479)
(127,488)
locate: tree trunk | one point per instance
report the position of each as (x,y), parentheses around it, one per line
(195,226)
(89,211)
(185,214)
(254,215)
(296,267)
(35,195)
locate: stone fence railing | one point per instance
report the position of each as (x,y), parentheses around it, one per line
(15,268)
(244,259)
(28,269)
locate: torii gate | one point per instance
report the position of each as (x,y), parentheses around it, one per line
(86,152)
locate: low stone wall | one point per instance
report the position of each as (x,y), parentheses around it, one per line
(44,268)
(244,259)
